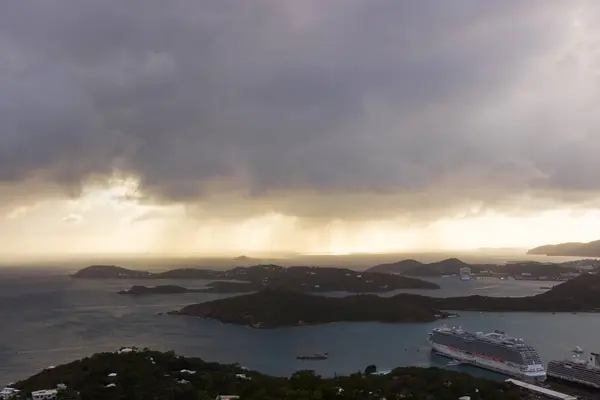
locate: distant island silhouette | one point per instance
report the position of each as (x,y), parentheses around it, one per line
(271,308)
(452,266)
(572,249)
(416,268)
(244,258)
(251,279)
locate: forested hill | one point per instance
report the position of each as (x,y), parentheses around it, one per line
(165,376)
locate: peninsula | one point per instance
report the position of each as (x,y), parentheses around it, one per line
(147,374)
(271,308)
(254,278)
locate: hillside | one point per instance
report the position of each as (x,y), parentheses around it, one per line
(166,376)
(415,268)
(273,308)
(581,294)
(573,249)
(257,277)
(452,266)
(398,267)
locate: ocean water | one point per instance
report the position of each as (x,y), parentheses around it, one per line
(52,319)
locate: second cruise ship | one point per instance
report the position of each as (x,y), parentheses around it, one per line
(494,351)
(577,370)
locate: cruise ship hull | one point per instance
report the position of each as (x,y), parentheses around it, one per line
(575,373)
(492,365)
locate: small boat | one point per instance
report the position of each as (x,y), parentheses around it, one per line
(316,356)
(578,350)
(453,363)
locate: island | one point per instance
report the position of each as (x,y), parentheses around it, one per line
(452,266)
(272,308)
(212,287)
(415,268)
(138,290)
(147,374)
(257,277)
(571,249)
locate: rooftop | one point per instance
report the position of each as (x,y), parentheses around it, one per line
(44,392)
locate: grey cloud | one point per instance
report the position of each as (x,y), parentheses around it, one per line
(312,108)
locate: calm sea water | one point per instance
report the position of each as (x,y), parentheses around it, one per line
(52,319)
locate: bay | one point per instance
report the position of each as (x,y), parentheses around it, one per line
(52,319)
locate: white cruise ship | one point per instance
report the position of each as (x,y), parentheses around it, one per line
(493,351)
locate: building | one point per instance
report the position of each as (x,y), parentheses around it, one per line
(48,394)
(187,371)
(8,393)
(125,350)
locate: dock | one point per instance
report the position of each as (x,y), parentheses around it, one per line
(549,393)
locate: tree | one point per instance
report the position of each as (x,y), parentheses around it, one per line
(371,369)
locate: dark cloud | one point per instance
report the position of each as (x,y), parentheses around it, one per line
(311,108)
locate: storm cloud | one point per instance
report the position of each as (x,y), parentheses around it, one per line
(324,109)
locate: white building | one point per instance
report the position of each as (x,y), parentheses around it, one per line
(187,371)
(125,350)
(8,393)
(49,394)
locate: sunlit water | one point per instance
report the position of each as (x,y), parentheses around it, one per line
(49,320)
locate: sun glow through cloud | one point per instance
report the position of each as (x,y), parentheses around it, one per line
(113,220)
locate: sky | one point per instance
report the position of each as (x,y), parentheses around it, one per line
(205,127)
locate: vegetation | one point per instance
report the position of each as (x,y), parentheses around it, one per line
(251,279)
(370,369)
(161,376)
(273,308)
(573,249)
(452,266)
(416,268)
